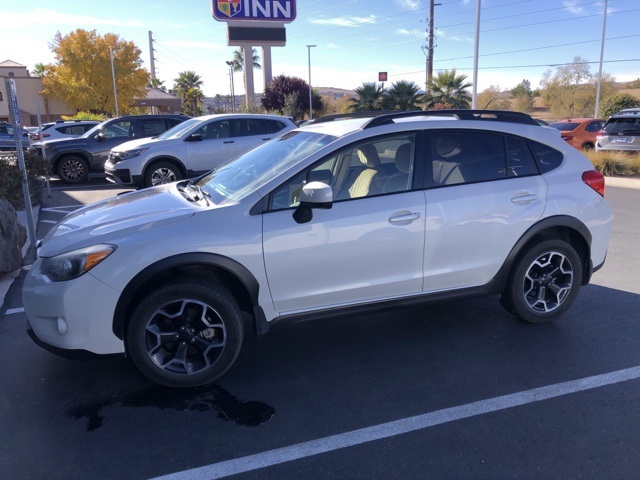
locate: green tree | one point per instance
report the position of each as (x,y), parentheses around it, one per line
(238,60)
(402,95)
(449,88)
(369,97)
(187,86)
(523,96)
(158,84)
(81,74)
(39,70)
(571,90)
(616,103)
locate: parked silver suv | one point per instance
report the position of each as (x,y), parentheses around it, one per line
(352,215)
(621,132)
(191,148)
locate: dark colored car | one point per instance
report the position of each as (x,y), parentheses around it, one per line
(7,142)
(580,132)
(73,158)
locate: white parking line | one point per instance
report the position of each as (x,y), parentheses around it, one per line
(399,427)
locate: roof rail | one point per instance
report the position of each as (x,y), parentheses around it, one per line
(487,115)
(346,116)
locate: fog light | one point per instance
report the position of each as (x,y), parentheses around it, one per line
(62,326)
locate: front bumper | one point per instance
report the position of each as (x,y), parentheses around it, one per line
(72,315)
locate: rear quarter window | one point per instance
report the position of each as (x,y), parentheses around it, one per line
(546,158)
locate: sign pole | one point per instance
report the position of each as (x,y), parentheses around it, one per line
(14,112)
(46,177)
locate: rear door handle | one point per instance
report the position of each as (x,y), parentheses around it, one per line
(405,218)
(527,198)
(265,139)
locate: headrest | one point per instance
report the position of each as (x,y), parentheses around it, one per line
(368,156)
(403,158)
(445,147)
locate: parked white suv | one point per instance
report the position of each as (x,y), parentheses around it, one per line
(335,217)
(191,148)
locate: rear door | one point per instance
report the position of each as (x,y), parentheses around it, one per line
(486,192)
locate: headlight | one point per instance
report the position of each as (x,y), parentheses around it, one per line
(73,264)
(130,153)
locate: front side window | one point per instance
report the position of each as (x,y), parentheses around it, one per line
(377,167)
(215,130)
(118,129)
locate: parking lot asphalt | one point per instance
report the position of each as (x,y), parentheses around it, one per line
(453,390)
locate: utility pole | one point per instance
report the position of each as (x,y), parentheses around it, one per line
(430,21)
(152,59)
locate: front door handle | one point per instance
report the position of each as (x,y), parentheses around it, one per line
(228,141)
(527,198)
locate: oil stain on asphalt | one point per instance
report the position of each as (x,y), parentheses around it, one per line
(200,399)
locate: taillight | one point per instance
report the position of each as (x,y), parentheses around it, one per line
(568,138)
(36,137)
(45,135)
(595,180)
(600,133)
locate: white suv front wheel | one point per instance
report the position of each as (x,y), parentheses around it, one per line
(160,173)
(544,282)
(185,333)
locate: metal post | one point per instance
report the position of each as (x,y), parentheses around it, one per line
(310,93)
(14,113)
(233,94)
(42,152)
(475,57)
(113,76)
(604,31)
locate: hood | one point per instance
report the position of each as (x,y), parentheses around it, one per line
(138,143)
(126,214)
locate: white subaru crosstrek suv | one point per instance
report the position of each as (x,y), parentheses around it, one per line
(335,217)
(192,148)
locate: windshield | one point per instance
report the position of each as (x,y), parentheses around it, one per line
(247,173)
(180,129)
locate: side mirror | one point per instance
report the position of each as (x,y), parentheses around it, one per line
(196,137)
(101,137)
(313,195)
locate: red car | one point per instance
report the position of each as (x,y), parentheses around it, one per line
(580,132)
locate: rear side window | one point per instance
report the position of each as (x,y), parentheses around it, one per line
(546,158)
(152,127)
(593,127)
(274,126)
(251,126)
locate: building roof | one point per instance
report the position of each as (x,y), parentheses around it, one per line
(11,63)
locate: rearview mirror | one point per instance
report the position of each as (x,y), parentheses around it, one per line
(313,195)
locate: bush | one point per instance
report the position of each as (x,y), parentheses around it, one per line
(618,102)
(613,164)
(11,179)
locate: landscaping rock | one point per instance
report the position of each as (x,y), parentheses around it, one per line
(12,237)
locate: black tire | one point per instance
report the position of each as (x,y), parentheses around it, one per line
(160,173)
(544,282)
(72,169)
(186,333)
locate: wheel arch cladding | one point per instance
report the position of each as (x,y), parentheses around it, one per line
(234,276)
(563,227)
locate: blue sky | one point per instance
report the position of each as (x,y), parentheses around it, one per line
(356,39)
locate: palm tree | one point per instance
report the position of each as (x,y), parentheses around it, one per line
(238,60)
(185,85)
(370,96)
(158,84)
(403,95)
(40,70)
(449,88)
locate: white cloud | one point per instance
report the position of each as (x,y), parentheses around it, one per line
(573,7)
(417,33)
(409,4)
(346,21)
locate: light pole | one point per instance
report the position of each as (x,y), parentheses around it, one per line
(233,94)
(310,95)
(604,31)
(113,76)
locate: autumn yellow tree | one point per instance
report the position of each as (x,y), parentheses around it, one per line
(81,74)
